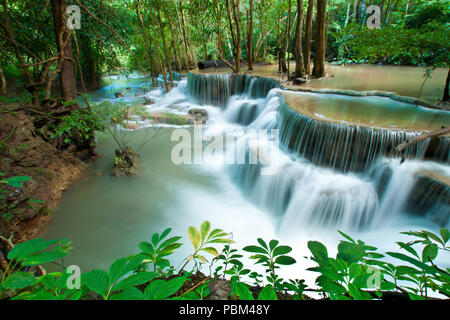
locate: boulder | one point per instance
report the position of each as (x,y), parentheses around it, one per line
(300,81)
(198,115)
(118,94)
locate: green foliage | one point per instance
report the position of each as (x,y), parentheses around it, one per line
(78,125)
(156,250)
(272,256)
(203,239)
(357,272)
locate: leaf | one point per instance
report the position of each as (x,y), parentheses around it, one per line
(146,247)
(445,234)
(117,270)
(160,289)
(243,291)
(318,250)
(194,236)
(155,240)
(255,249)
(205,227)
(165,233)
(135,280)
(169,242)
(43,257)
(97,281)
(128,294)
(430,252)
(24,249)
(263,244)
(413,261)
(350,252)
(408,248)
(332,287)
(267,293)
(16,182)
(346,236)
(19,280)
(281,250)
(210,250)
(273,244)
(285,260)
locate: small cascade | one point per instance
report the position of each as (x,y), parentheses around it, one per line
(216,89)
(349,147)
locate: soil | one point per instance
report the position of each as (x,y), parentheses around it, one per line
(23,152)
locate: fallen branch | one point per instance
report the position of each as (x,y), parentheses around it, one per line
(421,137)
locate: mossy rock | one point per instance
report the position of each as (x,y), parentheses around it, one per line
(126,163)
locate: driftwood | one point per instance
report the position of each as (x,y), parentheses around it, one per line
(421,137)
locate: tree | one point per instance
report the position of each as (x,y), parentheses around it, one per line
(307,37)
(299,67)
(320,37)
(65,64)
(250,38)
(445,97)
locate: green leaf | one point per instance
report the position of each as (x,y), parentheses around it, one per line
(43,257)
(155,240)
(160,289)
(165,233)
(273,244)
(267,293)
(408,248)
(263,244)
(281,250)
(210,250)
(24,249)
(194,236)
(318,250)
(430,252)
(16,182)
(146,247)
(445,234)
(169,242)
(205,227)
(255,249)
(117,270)
(350,252)
(285,260)
(19,280)
(346,236)
(128,294)
(413,261)
(135,280)
(97,281)
(243,291)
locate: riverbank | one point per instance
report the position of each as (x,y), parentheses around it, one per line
(24,152)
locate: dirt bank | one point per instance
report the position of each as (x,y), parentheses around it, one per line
(23,152)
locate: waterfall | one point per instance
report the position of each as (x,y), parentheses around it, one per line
(330,174)
(216,89)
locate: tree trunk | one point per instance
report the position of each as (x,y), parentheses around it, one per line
(250,39)
(237,18)
(284,47)
(66,73)
(2,82)
(161,30)
(445,97)
(298,51)
(307,38)
(182,25)
(320,36)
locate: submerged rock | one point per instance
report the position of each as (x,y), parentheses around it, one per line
(126,163)
(199,115)
(118,94)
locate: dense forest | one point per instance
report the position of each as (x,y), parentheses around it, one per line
(158,37)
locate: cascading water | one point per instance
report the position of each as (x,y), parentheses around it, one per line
(330,174)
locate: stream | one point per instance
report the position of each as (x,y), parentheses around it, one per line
(313,192)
